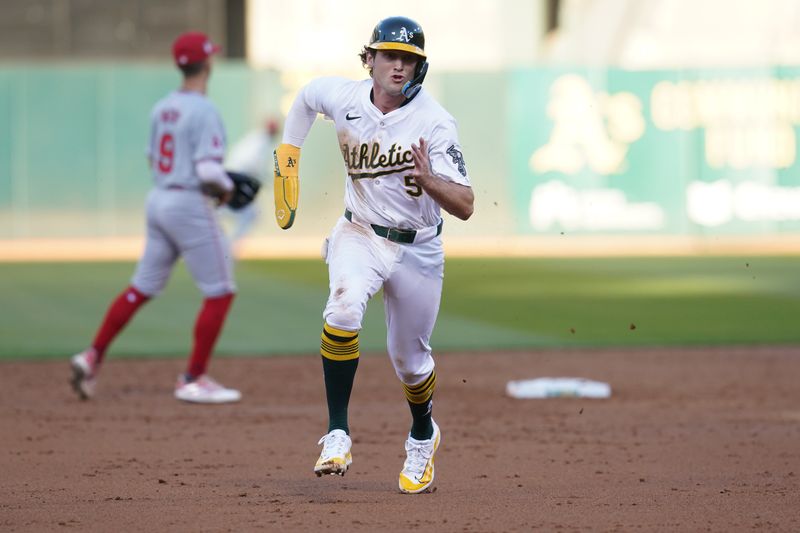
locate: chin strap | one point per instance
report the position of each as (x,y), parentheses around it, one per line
(411,88)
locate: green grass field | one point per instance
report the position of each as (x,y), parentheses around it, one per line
(52,310)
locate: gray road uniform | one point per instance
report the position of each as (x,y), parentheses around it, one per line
(186,132)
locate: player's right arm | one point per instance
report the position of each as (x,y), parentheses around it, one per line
(319,96)
(208,153)
(214,181)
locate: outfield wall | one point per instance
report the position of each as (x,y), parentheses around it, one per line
(686,154)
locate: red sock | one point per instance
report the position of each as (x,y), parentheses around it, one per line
(117,316)
(206,330)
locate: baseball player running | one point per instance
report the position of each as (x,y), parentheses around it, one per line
(404,163)
(187,145)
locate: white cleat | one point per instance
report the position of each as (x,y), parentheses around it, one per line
(335,458)
(84,373)
(417,473)
(204,390)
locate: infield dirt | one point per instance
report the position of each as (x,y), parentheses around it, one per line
(691,439)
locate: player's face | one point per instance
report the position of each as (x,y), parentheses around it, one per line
(391,69)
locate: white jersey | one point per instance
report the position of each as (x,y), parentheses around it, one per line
(186,128)
(377,149)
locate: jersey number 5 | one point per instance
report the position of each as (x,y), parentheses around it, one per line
(166,154)
(413,188)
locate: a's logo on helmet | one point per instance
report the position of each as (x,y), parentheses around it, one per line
(405,35)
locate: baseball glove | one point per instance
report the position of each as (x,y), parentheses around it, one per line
(245,189)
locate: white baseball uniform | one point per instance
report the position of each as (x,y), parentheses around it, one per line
(186,129)
(390,235)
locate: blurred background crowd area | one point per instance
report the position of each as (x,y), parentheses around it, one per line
(610,119)
(462,34)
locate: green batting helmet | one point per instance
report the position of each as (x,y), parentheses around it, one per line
(398,33)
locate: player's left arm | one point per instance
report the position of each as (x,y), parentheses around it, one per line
(455,198)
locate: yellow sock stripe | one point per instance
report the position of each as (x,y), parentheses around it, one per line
(336,334)
(338,350)
(339,345)
(337,355)
(421,392)
(424,384)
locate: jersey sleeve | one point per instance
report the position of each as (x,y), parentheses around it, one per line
(211,136)
(447,159)
(319,96)
(150,150)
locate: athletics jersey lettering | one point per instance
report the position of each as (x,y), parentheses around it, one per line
(376,149)
(369,157)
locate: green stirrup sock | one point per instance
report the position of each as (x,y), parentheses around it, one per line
(339,350)
(420,400)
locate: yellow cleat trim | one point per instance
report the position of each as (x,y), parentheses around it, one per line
(410,486)
(333,466)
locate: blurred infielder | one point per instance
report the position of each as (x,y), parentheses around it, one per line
(251,155)
(404,163)
(187,145)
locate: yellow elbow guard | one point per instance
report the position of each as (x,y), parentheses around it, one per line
(287,185)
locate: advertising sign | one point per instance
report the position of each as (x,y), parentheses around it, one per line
(656,152)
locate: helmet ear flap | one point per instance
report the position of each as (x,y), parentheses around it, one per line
(411,88)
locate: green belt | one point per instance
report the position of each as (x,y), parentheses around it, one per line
(403,236)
